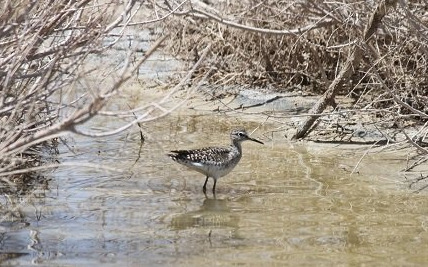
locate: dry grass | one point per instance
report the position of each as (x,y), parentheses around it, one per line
(303,44)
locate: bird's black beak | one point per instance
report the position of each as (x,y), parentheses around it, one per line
(255,140)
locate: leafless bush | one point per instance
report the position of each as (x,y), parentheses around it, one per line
(373,52)
(299,43)
(47,52)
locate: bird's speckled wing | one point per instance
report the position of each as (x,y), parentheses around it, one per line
(204,156)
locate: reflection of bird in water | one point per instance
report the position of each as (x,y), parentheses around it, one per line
(214,162)
(214,213)
(214,205)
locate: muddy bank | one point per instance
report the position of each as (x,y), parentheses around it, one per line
(343,125)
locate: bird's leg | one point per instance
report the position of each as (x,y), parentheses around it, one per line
(204,189)
(215,182)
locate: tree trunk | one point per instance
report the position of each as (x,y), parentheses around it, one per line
(348,69)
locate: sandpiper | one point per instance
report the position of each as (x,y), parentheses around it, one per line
(214,162)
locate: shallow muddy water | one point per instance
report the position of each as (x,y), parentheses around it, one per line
(284,204)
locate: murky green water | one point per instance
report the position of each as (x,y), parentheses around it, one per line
(285,204)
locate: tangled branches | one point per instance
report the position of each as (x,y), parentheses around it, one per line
(374,54)
(45,47)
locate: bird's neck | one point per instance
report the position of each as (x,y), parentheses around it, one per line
(237,145)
